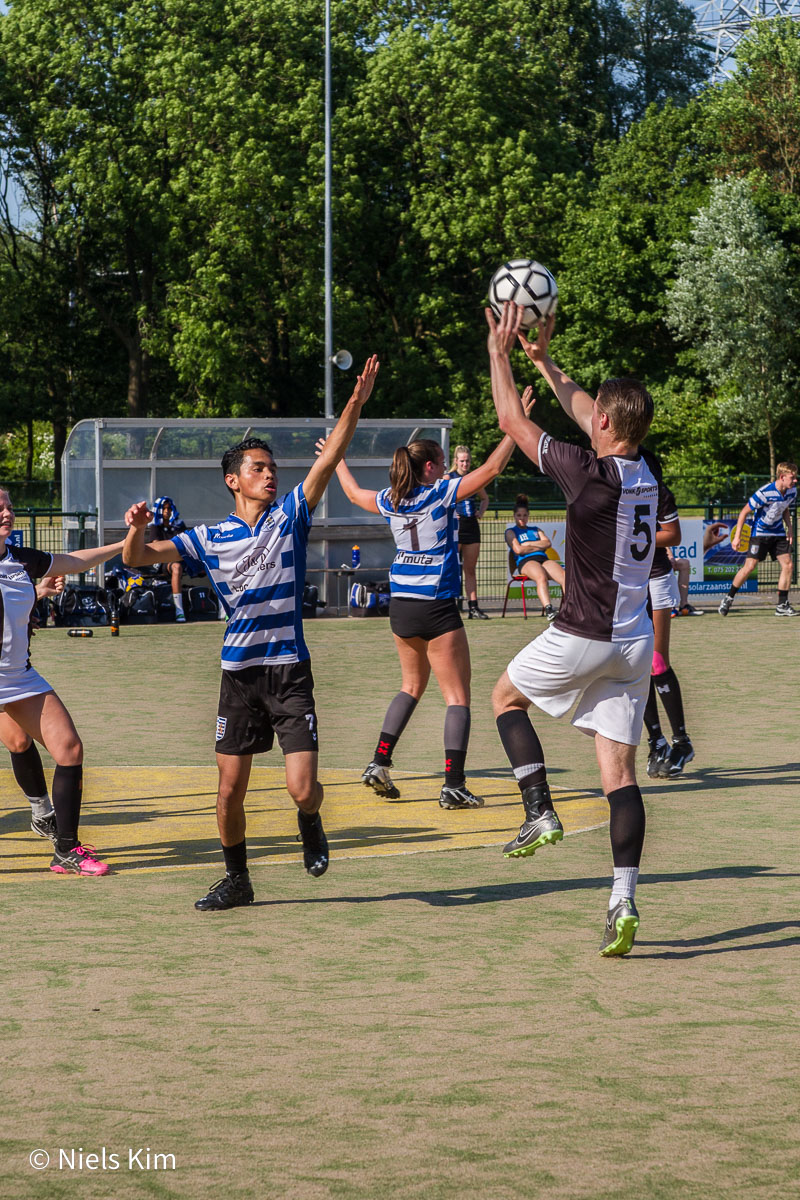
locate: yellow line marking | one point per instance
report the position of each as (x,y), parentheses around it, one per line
(157,818)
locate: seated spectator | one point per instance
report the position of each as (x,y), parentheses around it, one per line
(167,524)
(528,546)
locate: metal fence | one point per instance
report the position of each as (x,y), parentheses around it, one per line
(56,532)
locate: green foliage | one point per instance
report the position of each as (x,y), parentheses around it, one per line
(732,301)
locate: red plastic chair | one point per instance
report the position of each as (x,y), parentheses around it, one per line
(521,579)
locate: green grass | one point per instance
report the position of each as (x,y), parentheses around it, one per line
(431,1027)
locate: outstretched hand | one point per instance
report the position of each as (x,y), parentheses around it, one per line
(138,515)
(366,381)
(715,533)
(537,351)
(504,333)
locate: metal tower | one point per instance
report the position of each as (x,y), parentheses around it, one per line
(723,23)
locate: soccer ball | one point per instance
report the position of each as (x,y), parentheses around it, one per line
(527,283)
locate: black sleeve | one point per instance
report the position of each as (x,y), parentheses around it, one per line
(570,466)
(37,563)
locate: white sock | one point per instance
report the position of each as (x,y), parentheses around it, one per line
(624,885)
(177,600)
(41,806)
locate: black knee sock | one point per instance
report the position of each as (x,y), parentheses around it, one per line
(783,596)
(67,789)
(457,721)
(732,591)
(236,858)
(651,714)
(29,773)
(397,717)
(669,690)
(521,744)
(627,825)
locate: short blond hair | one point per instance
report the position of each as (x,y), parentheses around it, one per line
(787,468)
(629,408)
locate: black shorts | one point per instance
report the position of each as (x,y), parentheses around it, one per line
(760,547)
(425,619)
(539,556)
(469,531)
(258,702)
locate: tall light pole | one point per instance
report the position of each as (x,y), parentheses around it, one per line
(342,359)
(328,231)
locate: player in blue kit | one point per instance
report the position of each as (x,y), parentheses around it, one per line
(420,508)
(256,560)
(771,534)
(470,509)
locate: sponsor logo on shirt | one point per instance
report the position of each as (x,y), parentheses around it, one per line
(255,560)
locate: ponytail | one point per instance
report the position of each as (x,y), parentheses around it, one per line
(407,467)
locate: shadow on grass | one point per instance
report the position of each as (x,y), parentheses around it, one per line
(712,778)
(710,944)
(529,889)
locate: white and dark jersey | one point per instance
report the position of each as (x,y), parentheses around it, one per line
(768,505)
(20,567)
(425,531)
(258,573)
(613,504)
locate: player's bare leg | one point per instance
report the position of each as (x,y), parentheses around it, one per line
(234,890)
(536,573)
(784,608)
(307,792)
(618,774)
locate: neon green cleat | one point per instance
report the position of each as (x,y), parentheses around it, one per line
(621,925)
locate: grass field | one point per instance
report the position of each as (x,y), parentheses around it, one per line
(422,1023)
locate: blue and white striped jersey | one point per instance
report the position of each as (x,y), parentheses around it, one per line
(425,530)
(768,505)
(258,574)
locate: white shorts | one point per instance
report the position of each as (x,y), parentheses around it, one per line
(19,684)
(610,681)
(664,591)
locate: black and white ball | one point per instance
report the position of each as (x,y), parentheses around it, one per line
(528,284)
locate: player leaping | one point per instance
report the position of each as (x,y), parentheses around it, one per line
(598,651)
(256,560)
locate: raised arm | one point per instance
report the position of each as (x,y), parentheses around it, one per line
(496,463)
(134,552)
(363,497)
(576,403)
(333,451)
(81,560)
(510,413)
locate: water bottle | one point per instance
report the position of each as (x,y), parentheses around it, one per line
(114,625)
(356,559)
(80,633)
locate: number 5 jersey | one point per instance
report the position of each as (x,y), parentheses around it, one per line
(613,505)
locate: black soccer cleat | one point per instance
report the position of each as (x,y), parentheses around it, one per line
(232,891)
(622,922)
(45,826)
(477,614)
(681,752)
(378,778)
(658,754)
(459,797)
(725,605)
(550,613)
(315,844)
(541,826)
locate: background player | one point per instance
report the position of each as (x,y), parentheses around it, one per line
(470,509)
(770,534)
(255,559)
(598,651)
(30,701)
(529,545)
(665,761)
(419,506)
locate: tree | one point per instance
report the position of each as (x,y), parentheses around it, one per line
(732,302)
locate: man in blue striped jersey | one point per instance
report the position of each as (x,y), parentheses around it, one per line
(770,534)
(256,560)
